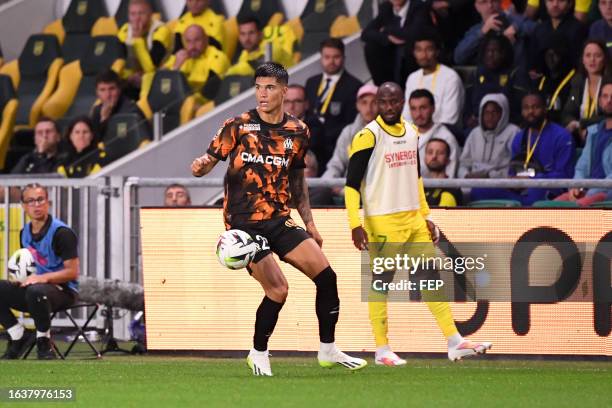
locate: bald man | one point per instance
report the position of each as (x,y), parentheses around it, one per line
(397,218)
(204,66)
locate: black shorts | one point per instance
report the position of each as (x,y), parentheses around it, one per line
(279,235)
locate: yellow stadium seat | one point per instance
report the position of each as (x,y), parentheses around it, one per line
(231,37)
(34,75)
(105,26)
(316,19)
(8,109)
(268,12)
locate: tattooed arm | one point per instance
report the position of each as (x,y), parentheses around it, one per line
(299,197)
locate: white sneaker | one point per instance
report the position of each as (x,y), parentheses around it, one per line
(385,356)
(329,359)
(467,348)
(259,362)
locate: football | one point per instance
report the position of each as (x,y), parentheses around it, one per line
(21,265)
(236,249)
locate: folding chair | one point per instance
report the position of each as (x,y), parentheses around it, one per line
(80,330)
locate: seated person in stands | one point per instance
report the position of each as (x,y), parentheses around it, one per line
(494,20)
(177,195)
(200,13)
(54,286)
(203,66)
(543,150)
(147,43)
(595,161)
(488,148)
(44,158)
(437,156)
(581,110)
(296,104)
(422,108)
(254,48)
(112,102)
(602,29)
(81,156)
(443,82)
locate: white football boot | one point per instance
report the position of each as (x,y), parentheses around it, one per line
(334,357)
(259,362)
(468,348)
(385,356)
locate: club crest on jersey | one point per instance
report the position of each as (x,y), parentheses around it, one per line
(251,127)
(288,144)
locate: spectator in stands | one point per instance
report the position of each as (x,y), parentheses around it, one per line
(53,287)
(331,95)
(595,161)
(555,81)
(534,9)
(516,28)
(388,39)
(422,107)
(112,102)
(44,157)
(543,150)
(254,48)
(177,195)
(562,22)
(602,29)
(202,65)
(437,153)
(337,166)
(81,156)
(200,13)
(581,110)
(147,43)
(296,104)
(495,73)
(488,148)
(440,80)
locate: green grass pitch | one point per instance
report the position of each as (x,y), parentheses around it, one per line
(161,381)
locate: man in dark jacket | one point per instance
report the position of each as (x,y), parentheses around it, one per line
(44,158)
(331,96)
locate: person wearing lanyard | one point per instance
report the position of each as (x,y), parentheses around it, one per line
(543,149)
(443,82)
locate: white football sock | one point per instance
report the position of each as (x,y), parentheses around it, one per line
(43,334)
(327,347)
(454,340)
(16,332)
(383,349)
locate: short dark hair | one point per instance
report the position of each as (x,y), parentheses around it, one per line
(48,119)
(428,34)
(422,93)
(272,70)
(32,186)
(505,45)
(537,94)
(435,139)
(332,42)
(297,86)
(108,76)
(250,18)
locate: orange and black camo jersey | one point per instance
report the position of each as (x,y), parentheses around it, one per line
(260,158)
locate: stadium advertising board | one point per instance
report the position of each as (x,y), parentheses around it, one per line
(193,303)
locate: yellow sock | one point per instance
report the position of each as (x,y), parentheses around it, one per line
(377,306)
(444,317)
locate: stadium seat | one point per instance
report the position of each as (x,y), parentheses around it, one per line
(8,108)
(170,94)
(78,330)
(74,29)
(313,25)
(34,76)
(344,26)
(268,12)
(602,204)
(494,203)
(465,72)
(76,92)
(232,86)
(125,132)
(555,204)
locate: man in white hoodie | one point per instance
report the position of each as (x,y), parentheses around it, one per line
(488,149)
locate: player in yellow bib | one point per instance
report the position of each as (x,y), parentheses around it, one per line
(383,173)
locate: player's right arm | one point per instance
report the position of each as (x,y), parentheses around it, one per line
(220,147)
(360,152)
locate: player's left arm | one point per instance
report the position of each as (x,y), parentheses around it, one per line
(65,246)
(299,195)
